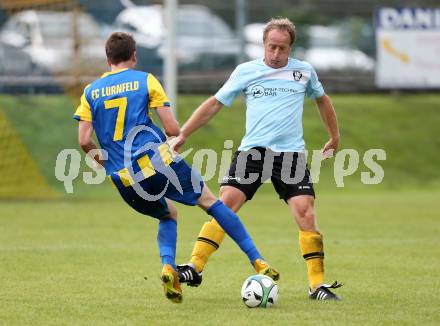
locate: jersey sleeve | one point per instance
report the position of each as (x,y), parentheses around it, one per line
(314,87)
(231,89)
(83,112)
(156,93)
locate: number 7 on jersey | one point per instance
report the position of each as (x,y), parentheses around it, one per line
(121,105)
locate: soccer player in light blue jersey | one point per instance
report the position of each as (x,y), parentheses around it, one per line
(274,87)
(140,165)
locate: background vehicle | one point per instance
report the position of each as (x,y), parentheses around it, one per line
(58,41)
(204,40)
(14,61)
(327,49)
(19,74)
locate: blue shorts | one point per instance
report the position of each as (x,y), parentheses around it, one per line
(181,184)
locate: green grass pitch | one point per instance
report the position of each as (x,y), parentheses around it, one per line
(83,262)
(82,259)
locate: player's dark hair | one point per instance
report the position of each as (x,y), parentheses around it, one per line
(283,24)
(120,47)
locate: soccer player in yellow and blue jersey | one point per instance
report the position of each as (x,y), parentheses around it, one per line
(139,162)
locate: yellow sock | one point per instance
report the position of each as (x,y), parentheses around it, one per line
(312,250)
(210,237)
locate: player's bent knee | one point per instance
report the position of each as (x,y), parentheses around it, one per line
(206,199)
(306,213)
(173,213)
(307,220)
(172,210)
(232,197)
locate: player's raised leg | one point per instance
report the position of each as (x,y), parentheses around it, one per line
(231,223)
(311,246)
(211,234)
(234,198)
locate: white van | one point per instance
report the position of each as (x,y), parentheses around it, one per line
(203,38)
(48,37)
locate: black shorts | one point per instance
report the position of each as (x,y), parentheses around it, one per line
(287,170)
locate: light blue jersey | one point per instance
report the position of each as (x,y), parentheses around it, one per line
(274,101)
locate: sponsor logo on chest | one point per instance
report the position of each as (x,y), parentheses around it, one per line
(258,91)
(289,80)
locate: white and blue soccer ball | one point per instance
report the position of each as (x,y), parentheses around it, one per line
(259,291)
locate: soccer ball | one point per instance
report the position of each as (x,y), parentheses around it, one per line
(259,291)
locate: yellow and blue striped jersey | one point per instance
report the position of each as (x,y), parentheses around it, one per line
(115,104)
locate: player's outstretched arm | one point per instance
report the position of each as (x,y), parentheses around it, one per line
(328,115)
(200,117)
(85,132)
(169,122)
